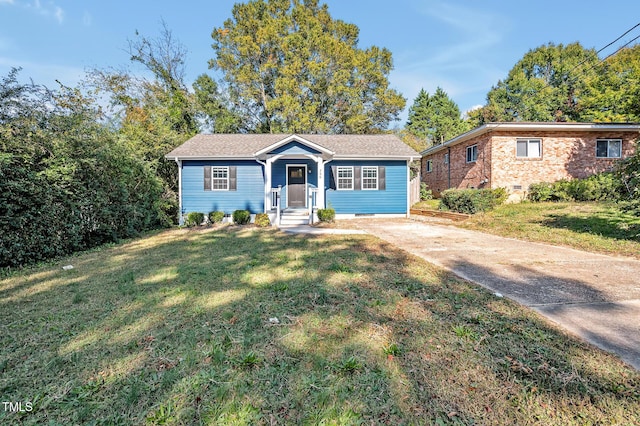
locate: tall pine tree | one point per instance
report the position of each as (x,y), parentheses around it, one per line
(436,118)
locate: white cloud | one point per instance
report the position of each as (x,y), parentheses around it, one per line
(6,1)
(50,10)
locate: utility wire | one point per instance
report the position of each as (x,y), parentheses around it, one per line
(603,48)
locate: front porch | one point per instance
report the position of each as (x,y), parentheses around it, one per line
(292,216)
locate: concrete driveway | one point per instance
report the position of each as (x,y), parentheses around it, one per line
(594,296)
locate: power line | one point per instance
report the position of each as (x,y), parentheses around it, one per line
(627,32)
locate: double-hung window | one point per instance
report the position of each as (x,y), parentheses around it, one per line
(472,153)
(369,177)
(528,148)
(429,166)
(609,148)
(220,178)
(345,178)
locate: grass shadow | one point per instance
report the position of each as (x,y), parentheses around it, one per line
(607,225)
(181,328)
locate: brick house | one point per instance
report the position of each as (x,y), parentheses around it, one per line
(515,155)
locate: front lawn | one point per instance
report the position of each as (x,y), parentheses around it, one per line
(596,227)
(251,326)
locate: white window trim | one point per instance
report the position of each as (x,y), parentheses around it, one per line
(362,178)
(608,141)
(226,168)
(430,166)
(528,141)
(338,178)
(470,147)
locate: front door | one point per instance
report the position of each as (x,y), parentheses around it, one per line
(296,186)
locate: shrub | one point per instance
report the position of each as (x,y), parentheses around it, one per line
(216,216)
(471,201)
(194,219)
(425,192)
(241,217)
(539,192)
(326,215)
(600,187)
(262,220)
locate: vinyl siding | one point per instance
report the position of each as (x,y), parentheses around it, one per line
(392,200)
(248,196)
(294,148)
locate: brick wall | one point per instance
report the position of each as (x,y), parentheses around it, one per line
(463,174)
(565,155)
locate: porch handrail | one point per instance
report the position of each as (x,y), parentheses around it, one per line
(275,201)
(313,202)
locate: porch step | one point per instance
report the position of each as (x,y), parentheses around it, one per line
(294,217)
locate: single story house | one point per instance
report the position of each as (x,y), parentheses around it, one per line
(291,176)
(515,155)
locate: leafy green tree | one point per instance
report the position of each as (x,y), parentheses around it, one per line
(435,118)
(545,85)
(290,67)
(212,109)
(66,182)
(613,94)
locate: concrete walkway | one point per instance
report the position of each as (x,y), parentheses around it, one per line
(594,296)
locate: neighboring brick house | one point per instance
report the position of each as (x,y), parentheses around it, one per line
(515,155)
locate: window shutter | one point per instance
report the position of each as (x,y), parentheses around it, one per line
(382,179)
(233,178)
(207,178)
(357,177)
(333,179)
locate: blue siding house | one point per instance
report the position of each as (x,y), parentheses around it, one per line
(289,177)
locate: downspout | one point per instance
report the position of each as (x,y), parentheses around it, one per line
(324,191)
(449,168)
(180,218)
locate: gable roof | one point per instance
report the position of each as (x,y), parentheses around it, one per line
(249,146)
(532,127)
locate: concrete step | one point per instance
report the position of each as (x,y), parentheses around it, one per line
(291,220)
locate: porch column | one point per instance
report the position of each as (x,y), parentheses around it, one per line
(267,184)
(320,193)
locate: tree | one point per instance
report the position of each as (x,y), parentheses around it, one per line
(435,118)
(545,85)
(613,94)
(66,182)
(290,67)
(212,109)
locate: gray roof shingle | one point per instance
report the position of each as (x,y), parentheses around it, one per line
(246,145)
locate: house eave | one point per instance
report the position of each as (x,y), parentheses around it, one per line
(374,157)
(209,157)
(293,138)
(559,127)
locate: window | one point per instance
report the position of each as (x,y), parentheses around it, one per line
(345,177)
(369,178)
(609,148)
(472,153)
(446,158)
(220,178)
(429,166)
(528,148)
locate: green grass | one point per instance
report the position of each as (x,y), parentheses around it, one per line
(427,204)
(177,328)
(596,227)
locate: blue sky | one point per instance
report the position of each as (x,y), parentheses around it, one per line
(463,46)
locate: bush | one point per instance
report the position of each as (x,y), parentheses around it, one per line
(241,217)
(262,220)
(471,201)
(326,215)
(216,216)
(425,192)
(194,219)
(539,192)
(600,187)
